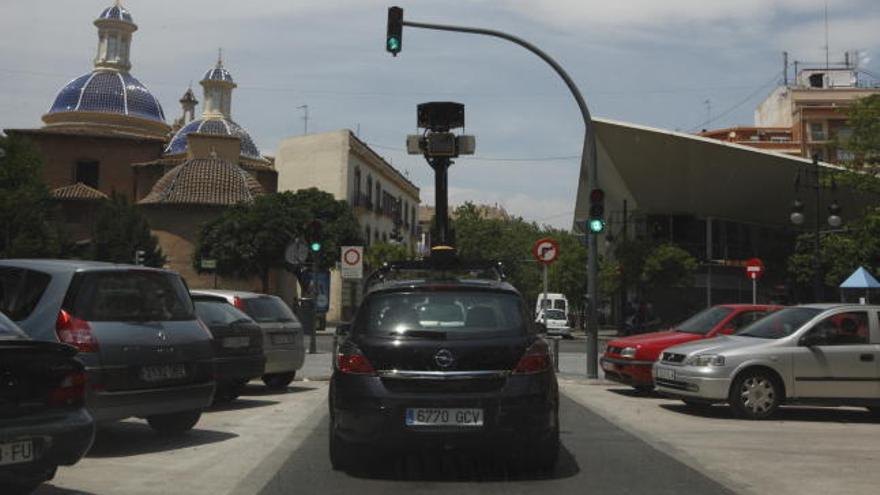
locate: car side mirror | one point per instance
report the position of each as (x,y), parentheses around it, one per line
(343,329)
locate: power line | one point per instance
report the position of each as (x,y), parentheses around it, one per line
(739,104)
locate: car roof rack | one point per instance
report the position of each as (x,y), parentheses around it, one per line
(449,269)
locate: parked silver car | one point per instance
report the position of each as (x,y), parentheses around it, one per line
(145,352)
(282,332)
(825,354)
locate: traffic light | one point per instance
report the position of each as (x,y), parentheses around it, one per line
(394,40)
(313,235)
(596,223)
(139,256)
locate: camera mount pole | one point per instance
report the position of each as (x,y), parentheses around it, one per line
(589,164)
(441,199)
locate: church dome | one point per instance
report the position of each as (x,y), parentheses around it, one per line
(116,12)
(107,91)
(218,73)
(204,181)
(216,126)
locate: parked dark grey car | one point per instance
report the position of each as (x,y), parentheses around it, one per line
(43,423)
(145,352)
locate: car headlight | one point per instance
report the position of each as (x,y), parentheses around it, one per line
(705,360)
(628,352)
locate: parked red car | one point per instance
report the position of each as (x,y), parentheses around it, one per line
(629,360)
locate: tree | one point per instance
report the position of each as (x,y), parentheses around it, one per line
(250,238)
(26,207)
(668,265)
(383,252)
(864,142)
(121,229)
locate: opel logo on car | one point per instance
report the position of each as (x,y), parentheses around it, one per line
(161,335)
(444,358)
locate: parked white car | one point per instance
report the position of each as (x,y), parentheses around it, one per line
(826,354)
(556,322)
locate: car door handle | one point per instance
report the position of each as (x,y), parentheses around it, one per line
(866,358)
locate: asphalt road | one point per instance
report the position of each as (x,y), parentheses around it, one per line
(597,457)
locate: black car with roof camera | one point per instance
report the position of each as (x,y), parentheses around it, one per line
(438,358)
(43,420)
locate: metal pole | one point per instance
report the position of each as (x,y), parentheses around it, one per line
(588,162)
(817,263)
(313,338)
(544,299)
(441,200)
(754,290)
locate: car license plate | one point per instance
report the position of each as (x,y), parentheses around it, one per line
(429,416)
(163,372)
(236,342)
(665,374)
(607,366)
(282,338)
(16,452)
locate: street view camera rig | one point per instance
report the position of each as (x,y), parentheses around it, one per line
(439,145)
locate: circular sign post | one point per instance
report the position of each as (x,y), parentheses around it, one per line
(546,251)
(754,271)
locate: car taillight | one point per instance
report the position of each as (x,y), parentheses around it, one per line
(535,360)
(354,362)
(76,332)
(238,303)
(71,391)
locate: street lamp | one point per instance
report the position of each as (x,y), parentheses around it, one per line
(813,177)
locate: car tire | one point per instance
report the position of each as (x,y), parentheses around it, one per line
(546,455)
(697,406)
(340,451)
(29,482)
(278,381)
(755,394)
(174,423)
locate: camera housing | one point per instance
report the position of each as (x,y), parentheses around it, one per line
(440,116)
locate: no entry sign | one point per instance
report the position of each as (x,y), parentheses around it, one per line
(754,268)
(546,250)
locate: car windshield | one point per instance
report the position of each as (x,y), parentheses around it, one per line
(268,310)
(461,313)
(780,324)
(216,312)
(555,314)
(8,330)
(129,295)
(704,321)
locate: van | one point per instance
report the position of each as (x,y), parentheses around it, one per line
(552,301)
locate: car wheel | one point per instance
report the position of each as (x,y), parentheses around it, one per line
(28,482)
(546,455)
(174,423)
(698,406)
(340,451)
(755,394)
(278,381)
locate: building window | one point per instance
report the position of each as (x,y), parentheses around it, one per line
(369,191)
(817,131)
(378,197)
(357,187)
(412,214)
(87,173)
(384,236)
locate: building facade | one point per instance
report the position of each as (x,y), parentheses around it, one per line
(385,201)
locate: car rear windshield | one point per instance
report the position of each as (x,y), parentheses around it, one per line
(555,314)
(268,310)
(780,324)
(704,321)
(217,312)
(429,314)
(129,295)
(20,291)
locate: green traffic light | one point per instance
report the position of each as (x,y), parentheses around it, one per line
(315,247)
(597,225)
(393,44)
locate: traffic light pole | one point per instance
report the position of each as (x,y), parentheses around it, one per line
(588,162)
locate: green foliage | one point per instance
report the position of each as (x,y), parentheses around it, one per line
(121,229)
(377,254)
(668,265)
(250,238)
(864,120)
(26,206)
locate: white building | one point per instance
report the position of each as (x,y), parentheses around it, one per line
(385,202)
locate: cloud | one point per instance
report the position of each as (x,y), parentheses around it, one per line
(852,33)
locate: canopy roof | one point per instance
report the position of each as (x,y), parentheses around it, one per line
(860,279)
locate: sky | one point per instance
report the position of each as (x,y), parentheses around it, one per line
(648,62)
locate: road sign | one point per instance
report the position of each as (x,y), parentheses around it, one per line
(545,251)
(352,262)
(208,264)
(754,268)
(297,252)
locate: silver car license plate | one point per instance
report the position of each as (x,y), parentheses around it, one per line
(430,416)
(665,374)
(16,452)
(163,372)
(236,342)
(282,338)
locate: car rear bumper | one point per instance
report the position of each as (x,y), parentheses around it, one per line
(110,406)
(691,382)
(238,368)
(364,411)
(627,371)
(284,360)
(60,438)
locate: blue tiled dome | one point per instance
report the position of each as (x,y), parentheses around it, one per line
(218,73)
(108,92)
(223,127)
(116,12)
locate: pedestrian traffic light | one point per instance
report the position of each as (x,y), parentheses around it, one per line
(139,256)
(313,235)
(596,223)
(394,40)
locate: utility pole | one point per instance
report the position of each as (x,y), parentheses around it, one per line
(589,161)
(305,119)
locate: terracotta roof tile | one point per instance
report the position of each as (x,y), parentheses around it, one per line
(78,191)
(204,181)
